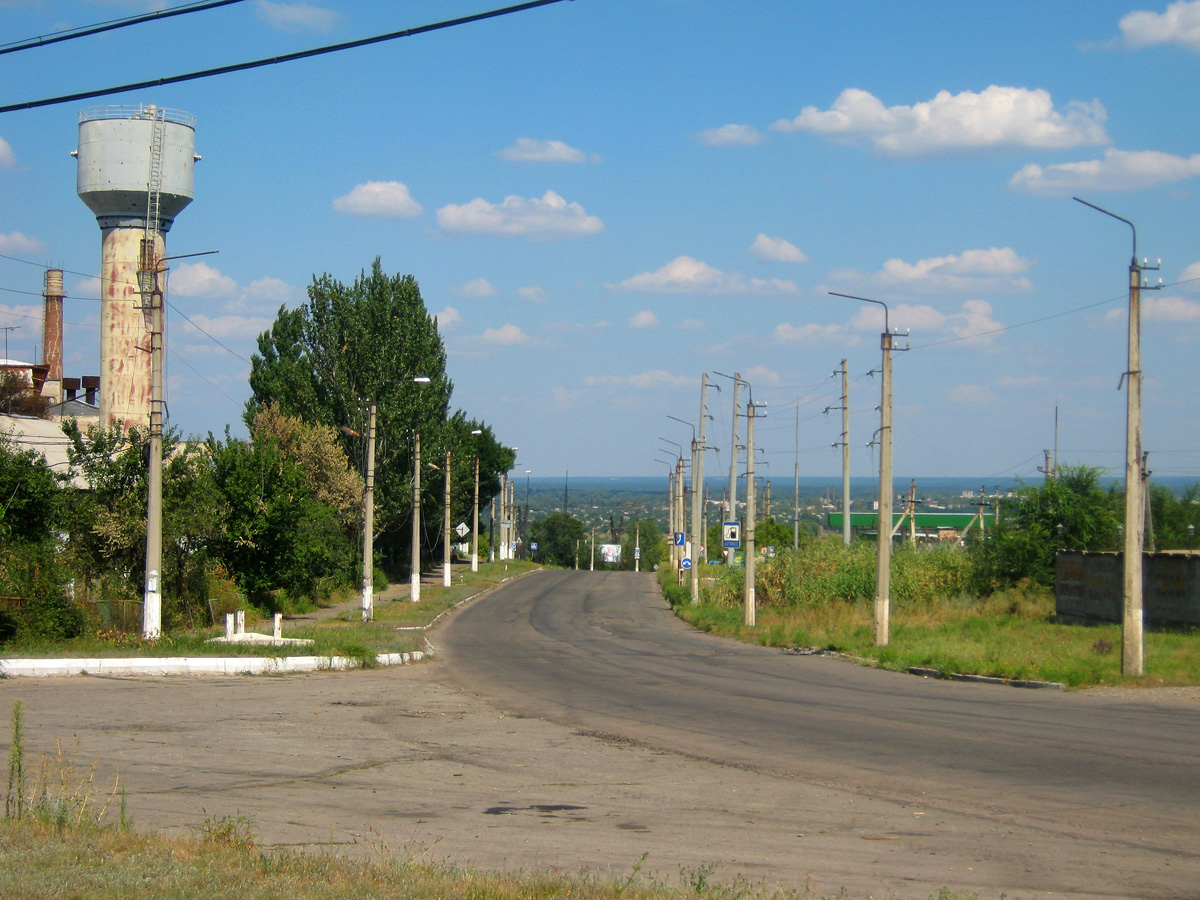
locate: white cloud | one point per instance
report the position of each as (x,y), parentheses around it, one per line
(228,326)
(684,275)
(22,316)
(973,322)
(1169,309)
(505,334)
(971,394)
(563,398)
(770,249)
(731,136)
(762,376)
(1192,274)
(447,318)
(1180,24)
(532,294)
(477,289)
(808,334)
(547,218)
(8,159)
(200,280)
(994,269)
(16,242)
(654,378)
(644,319)
(995,117)
(271,290)
(1118,170)
(692,325)
(296,18)
(531,150)
(384,199)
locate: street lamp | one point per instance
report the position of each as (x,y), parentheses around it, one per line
(883,564)
(525,519)
(414,590)
(475,511)
(1135,514)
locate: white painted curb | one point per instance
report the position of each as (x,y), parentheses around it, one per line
(191,665)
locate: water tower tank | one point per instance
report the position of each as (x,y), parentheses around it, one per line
(136,167)
(116,158)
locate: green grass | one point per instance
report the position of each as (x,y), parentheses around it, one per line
(344,635)
(1011,635)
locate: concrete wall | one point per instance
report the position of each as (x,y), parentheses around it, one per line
(1088,587)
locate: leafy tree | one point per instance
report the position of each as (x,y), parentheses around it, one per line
(648,534)
(770,533)
(351,345)
(1072,511)
(277,533)
(105,522)
(559,537)
(28,495)
(1172,514)
(17,397)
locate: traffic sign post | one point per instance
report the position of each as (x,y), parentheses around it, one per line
(731,535)
(687,562)
(679,538)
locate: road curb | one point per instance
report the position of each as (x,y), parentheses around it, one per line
(193,665)
(986,679)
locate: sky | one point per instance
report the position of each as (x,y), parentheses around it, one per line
(603,199)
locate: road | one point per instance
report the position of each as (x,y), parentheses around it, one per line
(1056,792)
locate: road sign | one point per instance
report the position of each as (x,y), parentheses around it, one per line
(687,563)
(533,545)
(731,534)
(679,538)
(462,530)
(637,552)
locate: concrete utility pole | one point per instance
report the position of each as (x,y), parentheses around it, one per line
(749,607)
(883,559)
(149,277)
(679,519)
(368,577)
(731,512)
(1135,522)
(475,522)
(446,529)
(845,455)
(414,590)
(699,538)
(592,564)
(796,503)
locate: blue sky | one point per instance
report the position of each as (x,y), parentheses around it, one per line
(602,199)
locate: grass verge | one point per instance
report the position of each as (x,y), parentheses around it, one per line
(1009,635)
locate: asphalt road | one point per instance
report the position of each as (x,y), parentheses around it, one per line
(1056,792)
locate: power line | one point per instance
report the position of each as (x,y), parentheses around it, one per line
(70,34)
(274,60)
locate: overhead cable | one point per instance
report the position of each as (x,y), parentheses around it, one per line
(274,60)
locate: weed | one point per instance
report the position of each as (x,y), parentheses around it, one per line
(15,790)
(229,831)
(637,867)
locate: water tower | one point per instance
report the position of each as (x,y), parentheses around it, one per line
(136,168)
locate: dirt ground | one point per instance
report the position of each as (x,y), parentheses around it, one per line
(398,762)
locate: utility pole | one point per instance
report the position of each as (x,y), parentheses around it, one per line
(368,577)
(912,513)
(637,547)
(475,521)
(151,287)
(731,510)
(750,599)
(679,519)
(796,504)
(698,449)
(446,528)
(845,455)
(414,590)
(883,559)
(592,564)
(1132,662)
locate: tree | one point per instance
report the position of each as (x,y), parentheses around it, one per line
(647,534)
(1171,515)
(352,345)
(559,537)
(278,534)
(1072,511)
(28,494)
(17,397)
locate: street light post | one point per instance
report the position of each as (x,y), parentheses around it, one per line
(1135,516)
(446,528)
(475,512)
(414,590)
(883,558)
